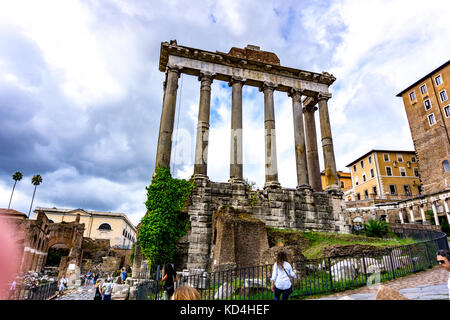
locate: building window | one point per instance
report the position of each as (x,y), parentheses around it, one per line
(403,172)
(431,119)
(105,226)
(354,168)
(427,104)
(372,173)
(366,194)
(438,80)
(423,89)
(443,95)
(370,159)
(358,196)
(374,190)
(386,157)
(413,159)
(416,172)
(407,190)
(342,185)
(412,96)
(389,171)
(362,164)
(393,189)
(399,158)
(446,166)
(364,177)
(447,111)
(356,181)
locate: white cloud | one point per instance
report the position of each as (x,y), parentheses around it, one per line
(93,116)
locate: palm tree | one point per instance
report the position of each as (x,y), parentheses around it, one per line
(36,180)
(17,176)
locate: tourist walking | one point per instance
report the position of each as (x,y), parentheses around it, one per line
(281,277)
(12,291)
(32,293)
(107,289)
(87,282)
(443,258)
(95,279)
(98,290)
(170,277)
(124,275)
(61,287)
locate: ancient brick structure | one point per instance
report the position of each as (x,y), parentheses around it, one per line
(305,207)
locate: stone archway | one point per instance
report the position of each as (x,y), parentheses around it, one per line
(70,236)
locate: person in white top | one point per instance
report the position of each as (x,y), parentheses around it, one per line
(281,274)
(443,258)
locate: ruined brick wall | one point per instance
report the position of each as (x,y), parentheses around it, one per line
(279,208)
(240,239)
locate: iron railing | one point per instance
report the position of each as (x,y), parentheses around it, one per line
(314,276)
(41,292)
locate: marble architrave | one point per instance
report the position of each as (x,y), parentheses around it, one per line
(254,78)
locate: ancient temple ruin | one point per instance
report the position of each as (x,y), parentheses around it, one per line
(307,206)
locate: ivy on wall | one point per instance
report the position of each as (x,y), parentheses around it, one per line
(164,223)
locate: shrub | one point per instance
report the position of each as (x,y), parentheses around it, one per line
(375,228)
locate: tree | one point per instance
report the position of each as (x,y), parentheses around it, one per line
(35,181)
(17,176)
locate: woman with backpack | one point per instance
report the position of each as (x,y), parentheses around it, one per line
(281,277)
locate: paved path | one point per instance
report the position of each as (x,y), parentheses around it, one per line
(81,293)
(425,285)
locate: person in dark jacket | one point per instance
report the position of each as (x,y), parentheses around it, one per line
(170,277)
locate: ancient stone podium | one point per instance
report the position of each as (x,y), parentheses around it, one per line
(305,207)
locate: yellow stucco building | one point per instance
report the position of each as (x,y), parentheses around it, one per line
(385,174)
(344,180)
(98,225)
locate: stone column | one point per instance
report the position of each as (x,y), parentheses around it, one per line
(312,155)
(436,219)
(236,143)
(422,214)
(327,144)
(164,148)
(387,215)
(201,146)
(270,137)
(447,211)
(299,137)
(400,214)
(411,214)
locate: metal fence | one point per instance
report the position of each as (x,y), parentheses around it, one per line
(41,292)
(314,277)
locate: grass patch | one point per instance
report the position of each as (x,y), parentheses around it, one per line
(315,242)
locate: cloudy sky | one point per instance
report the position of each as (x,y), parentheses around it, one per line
(81,93)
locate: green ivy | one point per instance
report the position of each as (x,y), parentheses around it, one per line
(164,223)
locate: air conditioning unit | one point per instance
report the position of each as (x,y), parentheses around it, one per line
(408,164)
(395,163)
